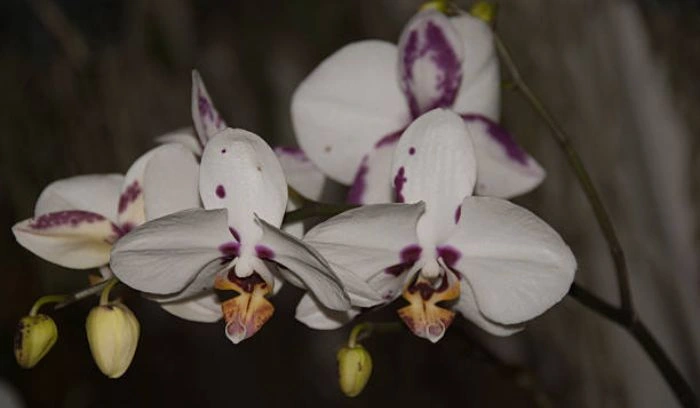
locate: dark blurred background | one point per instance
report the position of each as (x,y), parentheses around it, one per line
(87,85)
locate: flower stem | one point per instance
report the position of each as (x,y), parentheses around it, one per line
(365,329)
(44,300)
(83,293)
(625,315)
(104,297)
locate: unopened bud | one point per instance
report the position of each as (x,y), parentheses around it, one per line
(113,334)
(354,369)
(484,11)
(439,5)
(34,338)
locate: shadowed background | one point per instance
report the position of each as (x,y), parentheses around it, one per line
(87,85)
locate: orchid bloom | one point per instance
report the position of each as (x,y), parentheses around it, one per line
(233,244)
(77,220)
(349,113)
(498,263)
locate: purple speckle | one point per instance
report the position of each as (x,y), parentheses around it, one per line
(412,150)
(359,184)
(223,151)
(229,251)
(63,218)
(500,135)
(409,255)
(264,252)
(449,255)
(389,139)
(399,181)
(458,213)
(234,233)
(220,191)
(438,48)
(130,194)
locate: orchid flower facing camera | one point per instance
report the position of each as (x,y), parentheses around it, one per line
(490,260)
(349,113)
(77,220)
(233,244)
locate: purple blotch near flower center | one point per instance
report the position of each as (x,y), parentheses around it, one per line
(132,192)
(399,181)
(449,255)
(63,218)
(229,251)
(220,191)
(458,213)
(359,184)
(247,284)
(389,139)
(500,135)
(409,255)
(426,290)
(264,252)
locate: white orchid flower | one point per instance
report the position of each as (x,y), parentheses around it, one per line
(234,243)
(77,220)
(349,113)
(498,263)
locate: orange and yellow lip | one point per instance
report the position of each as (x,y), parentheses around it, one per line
(246,313)
(422,315)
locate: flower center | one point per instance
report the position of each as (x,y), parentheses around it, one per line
(247,312)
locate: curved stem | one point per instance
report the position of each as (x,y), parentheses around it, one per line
(104,297)
(601,214)
(83,293)
(646,340)
(365,329)
(44,300)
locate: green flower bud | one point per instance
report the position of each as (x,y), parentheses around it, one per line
(354,369)
(34,338)
(113,334)
(484,11)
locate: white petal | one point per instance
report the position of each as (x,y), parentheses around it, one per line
(204,309)
(165,255)
(348,103)
(480,91)
(373,184)
(504,169)
(516,264)
(301,174)
(466,305)
(184,136)
(370,249)
(171,181)
(430,62)
(305,263)
(207,120)
(98,193)
(434,162)
(131,211)
(241,173)
(73,239)
(315,316)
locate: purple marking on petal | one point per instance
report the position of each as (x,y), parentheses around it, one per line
(409,255)
(500,135)
(132,192)
(220,191)
(223,151)
(247,284)
(426,290)
(437,47)
(264,252)
(449,255)
(399,181)
(235,234)
(357,190)
(458,213)
(229,251)
(389,139)
(63,218)
(412,150)
(295,152)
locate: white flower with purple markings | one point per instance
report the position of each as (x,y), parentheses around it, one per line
(233,244)
(349,113)
(494,262)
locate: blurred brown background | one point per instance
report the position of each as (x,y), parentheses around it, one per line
(87,85)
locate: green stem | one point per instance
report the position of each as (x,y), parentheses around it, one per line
(104,297)
(44,300)
(83,293)
(561,137)
(684,393)
(365,329)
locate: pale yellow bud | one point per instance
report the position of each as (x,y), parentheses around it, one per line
(484,11)
(354,369)
(439,5)
(113,334)
(34,338)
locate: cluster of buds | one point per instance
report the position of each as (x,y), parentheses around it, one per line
(112,332)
